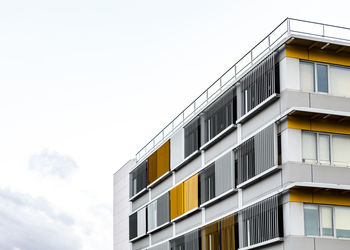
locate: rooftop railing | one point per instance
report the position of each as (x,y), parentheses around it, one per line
(290,27)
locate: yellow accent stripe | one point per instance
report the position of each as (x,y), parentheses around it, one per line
(318,55)
(321,125)
(330,197)
(191,193)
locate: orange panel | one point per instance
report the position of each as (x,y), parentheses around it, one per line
(176,201)
(228,233)
(298,123)
(152,168)
(300,195)
(297,52)
(163,159)
(191,193)
(330,126)
(209,236)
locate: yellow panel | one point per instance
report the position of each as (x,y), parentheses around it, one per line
(191,193)
(163,159)
(333,197)
(298,123)
(300,195)
(330,126)
(209,237)
(152,168)
(318,55)
(297,52)
(328,197)
(228,233)
(176,201)
(327,56)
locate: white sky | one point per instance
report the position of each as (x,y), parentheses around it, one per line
(85,84)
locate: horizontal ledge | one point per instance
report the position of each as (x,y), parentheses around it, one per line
(159,227)
(218,137)
(159,179)
(144,190)
(259,176)
(182,216)
(257,108)
(274,240)
(186,160)
(221,196)
(137,238)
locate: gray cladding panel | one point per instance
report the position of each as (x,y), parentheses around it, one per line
(162,187)
(162,234)
(298,243)
(140,201)
(333,244)
(262,187)
(177,151)
(140,244)
(188,223)
(221,207)
(188,169)
(219,147)
(163,246)
(260,119)
(296,173)
(224,174)
(290,98)
(330,174)
(322,101)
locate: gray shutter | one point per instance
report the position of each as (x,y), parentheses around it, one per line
(264,149)
(192,240)
(141,222)
(163,209)
(224,178)
(152,216)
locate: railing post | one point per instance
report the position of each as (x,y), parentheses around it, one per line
(323,32)
(236,71)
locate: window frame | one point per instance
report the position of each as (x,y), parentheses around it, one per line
(331,156)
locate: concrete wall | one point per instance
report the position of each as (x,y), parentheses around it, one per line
(121,207)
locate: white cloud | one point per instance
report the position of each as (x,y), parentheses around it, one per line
(52,163)
(31,223)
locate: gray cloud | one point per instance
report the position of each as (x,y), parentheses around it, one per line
(52,163)
(29,223)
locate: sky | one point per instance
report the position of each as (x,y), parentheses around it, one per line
(85,84)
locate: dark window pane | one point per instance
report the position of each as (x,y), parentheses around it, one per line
(322,78)
(138,178)
(133,226)
(192,137)
(207,184)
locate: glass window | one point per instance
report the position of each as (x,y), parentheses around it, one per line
(152,215)
(192,137)
(309,147)
(138,178)
(311,220)
(207,184)
(342,222)
(327,221)
(325,149)
(341,145)
(322,78)
(339,80)
(307,76)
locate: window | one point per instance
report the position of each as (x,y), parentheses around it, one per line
(257,154)
(325,148)
(262,222)
(192,137)
(324,78)
(158,212)
(259,84)
(137,224)
(189,241)
(221,114)
(224,174)
(138,179)
(324,220)
(207,184)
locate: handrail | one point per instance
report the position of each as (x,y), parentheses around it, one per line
(287,28)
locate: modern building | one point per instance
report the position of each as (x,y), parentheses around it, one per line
(260,160)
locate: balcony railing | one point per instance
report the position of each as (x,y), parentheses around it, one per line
(290,27)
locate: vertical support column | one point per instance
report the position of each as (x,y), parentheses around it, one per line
(239,100)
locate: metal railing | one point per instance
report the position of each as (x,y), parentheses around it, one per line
(288,28)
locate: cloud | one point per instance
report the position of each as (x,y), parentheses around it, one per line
(52,163)
(29,223)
